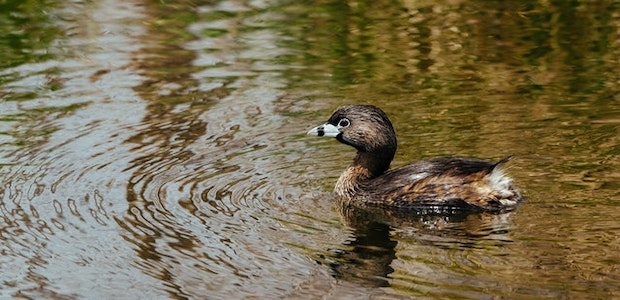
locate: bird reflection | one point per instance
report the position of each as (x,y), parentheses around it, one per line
(366,257)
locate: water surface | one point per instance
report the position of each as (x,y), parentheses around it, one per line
(157,150)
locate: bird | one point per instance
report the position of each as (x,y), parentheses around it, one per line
(442,183)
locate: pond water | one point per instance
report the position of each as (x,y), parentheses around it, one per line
(156,149)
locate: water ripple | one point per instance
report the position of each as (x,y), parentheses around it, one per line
(158,150)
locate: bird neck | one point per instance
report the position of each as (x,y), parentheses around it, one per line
(366,166)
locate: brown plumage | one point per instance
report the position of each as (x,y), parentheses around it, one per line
(445,183)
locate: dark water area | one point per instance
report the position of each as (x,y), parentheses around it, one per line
(157,149)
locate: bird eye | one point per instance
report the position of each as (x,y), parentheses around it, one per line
(344,123)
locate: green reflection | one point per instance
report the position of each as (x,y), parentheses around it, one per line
(409,47)
(26,31)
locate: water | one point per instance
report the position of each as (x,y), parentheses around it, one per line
(157,150)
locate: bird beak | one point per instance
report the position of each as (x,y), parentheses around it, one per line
(327,130)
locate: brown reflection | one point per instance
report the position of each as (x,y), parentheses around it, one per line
(186,149)
(163,143)
(367,257)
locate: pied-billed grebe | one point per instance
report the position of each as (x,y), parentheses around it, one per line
(444,183)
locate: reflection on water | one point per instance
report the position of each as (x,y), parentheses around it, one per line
(156,149)
(368,257)
(370,253)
